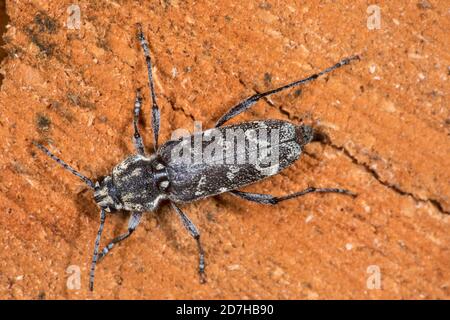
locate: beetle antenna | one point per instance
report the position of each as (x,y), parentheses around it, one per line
(65,165)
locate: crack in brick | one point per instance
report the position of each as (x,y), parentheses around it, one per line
(391,186)
(434,202)
(175,108)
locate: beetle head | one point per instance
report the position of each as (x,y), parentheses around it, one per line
(106,196)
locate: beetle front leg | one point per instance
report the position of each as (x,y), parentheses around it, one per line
(192,229)
(269,199)
(132,225)
(137,139)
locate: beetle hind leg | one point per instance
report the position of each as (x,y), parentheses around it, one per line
(269,199)
(250,101)
(192,229)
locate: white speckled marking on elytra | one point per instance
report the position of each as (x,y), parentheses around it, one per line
(293,150)
(287,132)
(199,193)
(201,182)
(268,171)
(251,136)
(262,124)
(164,184)
(234,169)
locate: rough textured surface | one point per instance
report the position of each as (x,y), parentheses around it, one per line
(387,118)
(3,23)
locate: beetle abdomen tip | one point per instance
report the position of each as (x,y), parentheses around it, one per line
(304,134)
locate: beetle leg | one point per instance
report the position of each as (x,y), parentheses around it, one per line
(135,218)
(137,139)
(247,103)
(155,108)
(192,229)
(269,199)
(96,245)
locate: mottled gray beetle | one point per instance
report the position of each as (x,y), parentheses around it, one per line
(140,182)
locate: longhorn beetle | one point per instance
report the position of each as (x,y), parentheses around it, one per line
(141,181)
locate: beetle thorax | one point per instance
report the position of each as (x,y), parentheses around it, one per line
(136,184)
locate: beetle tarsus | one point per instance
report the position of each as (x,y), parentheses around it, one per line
(96,245)
(192,229)
(133,222)
(270,199)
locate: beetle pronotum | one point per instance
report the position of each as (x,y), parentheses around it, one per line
(141,181)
